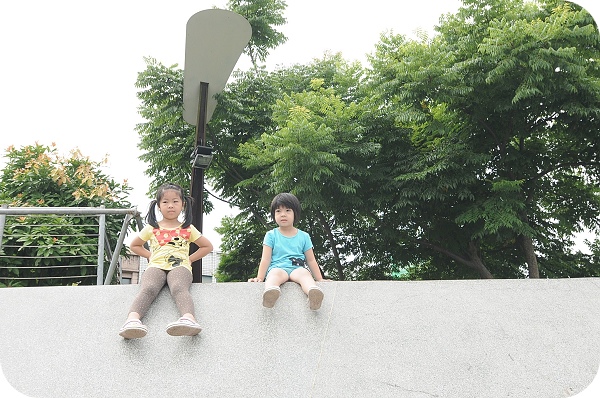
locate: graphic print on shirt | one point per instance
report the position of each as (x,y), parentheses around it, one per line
(173,244)
(299,262)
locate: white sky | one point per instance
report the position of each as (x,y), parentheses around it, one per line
(68,67)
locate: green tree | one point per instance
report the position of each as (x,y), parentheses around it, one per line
(36,176)
(502,111)
(166,139)
(241,245)
(263,16)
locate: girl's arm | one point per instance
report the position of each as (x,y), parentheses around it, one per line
(265,260)
(204,247)
(313,265)
(137,246)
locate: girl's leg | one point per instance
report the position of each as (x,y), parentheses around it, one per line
(180,281)
(153,281)
(303,277)
(275,277)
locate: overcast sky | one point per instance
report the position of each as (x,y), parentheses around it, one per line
(69,67)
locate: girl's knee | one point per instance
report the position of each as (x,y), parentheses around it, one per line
(277,273)
(301,275)
(276,276)
(179,289)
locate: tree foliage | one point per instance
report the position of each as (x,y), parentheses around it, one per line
(241,238)
(264,16)
(165,138)
(510,91)
(37,176)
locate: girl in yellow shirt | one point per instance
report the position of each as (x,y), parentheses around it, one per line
(169,262)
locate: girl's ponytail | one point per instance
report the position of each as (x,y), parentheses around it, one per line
(151,216)
(187,211)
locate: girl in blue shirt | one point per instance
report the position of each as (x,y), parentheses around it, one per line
(286,251)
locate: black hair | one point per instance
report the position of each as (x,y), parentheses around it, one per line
(186,199)
(287,200)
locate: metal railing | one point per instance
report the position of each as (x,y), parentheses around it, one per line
(103,251)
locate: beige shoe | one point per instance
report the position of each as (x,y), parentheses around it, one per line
(133,329)
(315,297)
(270,296)
(183,327)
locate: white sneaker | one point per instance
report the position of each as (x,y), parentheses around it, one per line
(183,327)
(133,329)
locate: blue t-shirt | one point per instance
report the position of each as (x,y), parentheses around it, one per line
(285,248)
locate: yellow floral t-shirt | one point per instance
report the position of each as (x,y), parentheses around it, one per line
(169,247)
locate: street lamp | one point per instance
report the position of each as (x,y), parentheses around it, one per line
(201,157)
(215,40)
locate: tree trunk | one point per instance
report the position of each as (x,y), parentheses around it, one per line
(526,244)
(473,260)
(476,263)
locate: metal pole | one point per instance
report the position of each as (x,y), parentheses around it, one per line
(2,223)
(198,179)
(101,232)
(116,253)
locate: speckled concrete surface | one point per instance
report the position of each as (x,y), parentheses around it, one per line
(492,338)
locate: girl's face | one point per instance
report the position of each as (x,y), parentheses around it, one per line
(170,205)
(284,217)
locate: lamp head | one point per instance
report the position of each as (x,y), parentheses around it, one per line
(201,157)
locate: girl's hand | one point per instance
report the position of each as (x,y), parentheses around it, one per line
(254,280)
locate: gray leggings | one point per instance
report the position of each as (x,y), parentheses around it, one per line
(179,281)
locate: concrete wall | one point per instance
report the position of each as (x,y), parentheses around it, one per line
(493,338)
